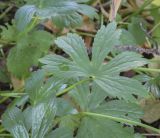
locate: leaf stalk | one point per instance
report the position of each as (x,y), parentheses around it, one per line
(122,120)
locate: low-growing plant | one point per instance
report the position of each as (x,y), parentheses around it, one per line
(78,95)
(81,97)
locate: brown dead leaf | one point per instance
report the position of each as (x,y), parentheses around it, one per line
(114,9)
(151,110)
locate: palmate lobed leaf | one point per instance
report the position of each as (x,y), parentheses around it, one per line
(55,10)
(106,76)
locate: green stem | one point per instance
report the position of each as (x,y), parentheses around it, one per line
(5,135)
(71,87)
(147,70)
(122,120)
(85,34)
(11,94)
(30,27)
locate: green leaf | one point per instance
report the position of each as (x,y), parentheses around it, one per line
(155,13)
(3,75)
(40,90)
(136,30)
(86,98)
(121,109)
(69,121)
(121,87)
(127,38)
(74,46)
(106,76)
(61,67)
(92,127)
(67,20)
(24,16)
(27,52)
(9,33)
(64,107)
(137,135)
(42,118)
(123,62)
(87,10)
(54,9)
(13,121)
(62,132)
(105,39)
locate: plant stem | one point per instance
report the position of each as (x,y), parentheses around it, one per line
(30,27)
(5,135)
(12,94)
(122,120)
(71,87)
(85,34)
(147,70)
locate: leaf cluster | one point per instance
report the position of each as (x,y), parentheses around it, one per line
(87,83)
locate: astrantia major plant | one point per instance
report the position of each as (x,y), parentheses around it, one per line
(79,97)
